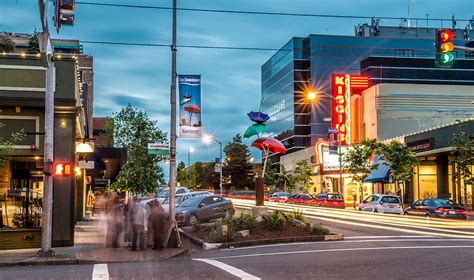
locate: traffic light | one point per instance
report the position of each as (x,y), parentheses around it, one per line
(62,169)
(444,48)
(63,13)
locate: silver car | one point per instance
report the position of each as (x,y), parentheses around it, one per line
(382,203)
(180,198)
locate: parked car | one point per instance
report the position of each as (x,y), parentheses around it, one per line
(301,198)
(382,203)
(279,197)
(202,209)
(166,192)
(181,197)
(436,207)
(329,200)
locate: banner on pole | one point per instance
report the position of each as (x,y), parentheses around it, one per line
(189,106)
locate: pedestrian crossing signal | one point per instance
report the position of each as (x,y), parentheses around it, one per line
(62,169)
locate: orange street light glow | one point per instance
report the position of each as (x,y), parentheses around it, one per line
(311,95)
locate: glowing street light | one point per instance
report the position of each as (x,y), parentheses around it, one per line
(311,95)
(207,139)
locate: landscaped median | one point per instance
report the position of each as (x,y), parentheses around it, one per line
(247,229)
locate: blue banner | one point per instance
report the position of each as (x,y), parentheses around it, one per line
(189,106)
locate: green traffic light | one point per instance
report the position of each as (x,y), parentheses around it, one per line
(446,58)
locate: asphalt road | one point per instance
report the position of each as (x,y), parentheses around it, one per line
(360,258)
(375,247)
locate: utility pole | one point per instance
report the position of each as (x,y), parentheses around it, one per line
(220,166)
(172,209)
(47,211)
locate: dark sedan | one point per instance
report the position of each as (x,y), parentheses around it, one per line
(202,209)
(436,207)
(301,198)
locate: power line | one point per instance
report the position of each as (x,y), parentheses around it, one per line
(260,12)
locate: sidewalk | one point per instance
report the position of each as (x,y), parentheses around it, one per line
(88,248)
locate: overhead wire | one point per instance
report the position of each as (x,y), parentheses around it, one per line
(260,12)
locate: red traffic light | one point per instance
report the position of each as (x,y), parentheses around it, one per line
(62,169)
(446,36)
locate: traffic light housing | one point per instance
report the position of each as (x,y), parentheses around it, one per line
(63,13)
(62,169)
(444,48)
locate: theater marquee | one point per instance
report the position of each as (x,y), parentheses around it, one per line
(343,86)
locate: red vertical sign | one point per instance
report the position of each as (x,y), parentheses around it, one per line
(341,92)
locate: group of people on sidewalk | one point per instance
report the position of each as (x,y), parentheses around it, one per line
(135,223)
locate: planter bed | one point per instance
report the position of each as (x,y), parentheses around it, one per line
(258,236)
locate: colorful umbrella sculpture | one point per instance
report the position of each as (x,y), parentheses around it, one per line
(258,117)
(255,129)
(192,109)
(269,144)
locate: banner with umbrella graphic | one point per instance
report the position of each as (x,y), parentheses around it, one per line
(190,106)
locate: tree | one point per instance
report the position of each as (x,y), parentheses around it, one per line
(133,129)
(282,181)
(181,173)
(402,161)
(238,168)
(6,43)
(33,45)
(6,149)
(302,175)
(463,144)
(356,159)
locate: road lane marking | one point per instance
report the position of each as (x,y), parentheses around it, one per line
(431,231)
(342,250)
(100,272)
(431,239)
(388,236)
(229,269)
(358,215)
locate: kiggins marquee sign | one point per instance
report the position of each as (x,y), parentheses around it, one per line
(343,86)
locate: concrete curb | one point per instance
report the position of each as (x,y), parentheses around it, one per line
(211,246)
(74,261)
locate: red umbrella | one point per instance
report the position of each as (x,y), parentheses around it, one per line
(269,144)
(192,109)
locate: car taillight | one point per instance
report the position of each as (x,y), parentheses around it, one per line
(439,210)
(462,211)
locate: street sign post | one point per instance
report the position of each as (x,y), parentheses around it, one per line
(158,149)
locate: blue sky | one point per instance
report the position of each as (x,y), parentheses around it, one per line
(230,78)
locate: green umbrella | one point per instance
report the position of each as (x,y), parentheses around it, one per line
(255,129)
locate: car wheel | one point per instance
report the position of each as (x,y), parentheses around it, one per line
(428,216)
(376,211)
(405,213)
(193,219)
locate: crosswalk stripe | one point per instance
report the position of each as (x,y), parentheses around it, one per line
(100,272)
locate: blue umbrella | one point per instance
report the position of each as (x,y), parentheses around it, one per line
(258,117)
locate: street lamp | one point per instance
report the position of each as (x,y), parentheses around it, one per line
(311,96)
(207,139)
(190,150)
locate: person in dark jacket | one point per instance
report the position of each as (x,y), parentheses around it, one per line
(158,219)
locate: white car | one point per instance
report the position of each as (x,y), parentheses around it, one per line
(166,192)
(382,203)
(180,198)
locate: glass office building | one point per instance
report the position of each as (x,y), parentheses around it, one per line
(305,64)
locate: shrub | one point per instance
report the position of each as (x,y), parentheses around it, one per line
(217,235)
(196,226)
(318,229)
(275,220)
(243,221)
(295,215)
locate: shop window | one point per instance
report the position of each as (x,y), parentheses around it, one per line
(21,204)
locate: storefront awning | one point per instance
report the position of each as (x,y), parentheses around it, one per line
(379,174)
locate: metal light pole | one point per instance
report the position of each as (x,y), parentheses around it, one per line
(190,150)
(172,210)
(208,139)
(47,210)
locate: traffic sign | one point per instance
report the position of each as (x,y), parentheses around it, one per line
(158,149)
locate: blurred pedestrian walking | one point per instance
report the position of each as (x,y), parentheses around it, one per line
(140,213)
(158,218)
